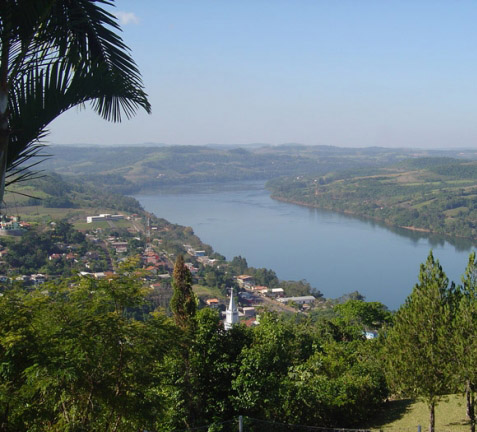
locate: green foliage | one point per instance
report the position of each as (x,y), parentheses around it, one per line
(238,265)
(130,169)
(183,302)
(419,361)
(217,277)
(464,343)
(298,374)
(72,359)
(200,383)
(30,255)
(299,288)
(368,315)
(433,194)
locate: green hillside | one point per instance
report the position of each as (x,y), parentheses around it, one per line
(429,194)
(130,169)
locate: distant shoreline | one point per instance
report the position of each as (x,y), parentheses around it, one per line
(347,212)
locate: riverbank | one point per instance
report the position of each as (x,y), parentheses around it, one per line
(336,253)
(348,212)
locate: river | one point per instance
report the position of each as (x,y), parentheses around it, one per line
(336,253)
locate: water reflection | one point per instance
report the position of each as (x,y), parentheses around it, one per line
(460,244)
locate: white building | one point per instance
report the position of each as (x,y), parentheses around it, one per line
(231,314)
(298,300)
(102,217)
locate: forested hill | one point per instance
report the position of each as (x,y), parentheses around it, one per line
(429,194)
(130,169)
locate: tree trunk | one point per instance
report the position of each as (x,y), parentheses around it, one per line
(467,399)
(432,416)
(470,396)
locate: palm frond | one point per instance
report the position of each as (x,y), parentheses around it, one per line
(63,53)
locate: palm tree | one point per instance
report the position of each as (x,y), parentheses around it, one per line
(54,55)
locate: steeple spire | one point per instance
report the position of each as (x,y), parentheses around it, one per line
(231,314)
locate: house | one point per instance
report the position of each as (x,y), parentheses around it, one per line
(213,302)
(23,278)
(250,322)
(193,252)
(263,291)
(151,269)
(276,292)
(298,300)
(248,312)
(246,281)
(205,260)
(120,246)
(38,279)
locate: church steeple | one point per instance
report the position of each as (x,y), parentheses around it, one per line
(231,314)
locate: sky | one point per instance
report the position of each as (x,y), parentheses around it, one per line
(349,73)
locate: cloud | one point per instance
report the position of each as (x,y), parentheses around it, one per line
(126,18)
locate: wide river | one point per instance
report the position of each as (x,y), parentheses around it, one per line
(336,253)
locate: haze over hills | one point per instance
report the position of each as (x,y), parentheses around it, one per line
(130,169)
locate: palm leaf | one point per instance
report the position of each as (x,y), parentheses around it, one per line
(63,53)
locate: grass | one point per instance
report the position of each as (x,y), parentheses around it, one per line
(455,211)
(407,415)
(207,292)
(41,214)
(92,225)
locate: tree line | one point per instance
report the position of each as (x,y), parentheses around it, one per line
(84,354)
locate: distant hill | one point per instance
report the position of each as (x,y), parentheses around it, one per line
(129,169)
(427,194)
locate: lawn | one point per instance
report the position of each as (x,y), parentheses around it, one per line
(407,415)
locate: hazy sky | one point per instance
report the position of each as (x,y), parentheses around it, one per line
(336,72)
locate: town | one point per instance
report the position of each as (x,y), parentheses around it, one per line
(32,254)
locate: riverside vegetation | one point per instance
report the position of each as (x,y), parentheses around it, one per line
(432,191)
(78,353)
(429,194)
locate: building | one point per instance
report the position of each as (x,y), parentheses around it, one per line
(246,281)
(213,302)
(231,314)
(276,292)
(298,300)
(248,311)
(103,217)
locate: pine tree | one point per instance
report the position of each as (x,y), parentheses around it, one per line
(183,302)
(465,343)
(417,347)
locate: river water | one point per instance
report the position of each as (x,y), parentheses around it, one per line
(336,253)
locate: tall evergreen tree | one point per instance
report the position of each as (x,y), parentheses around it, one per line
(183,302)
(418,345)
(465,343)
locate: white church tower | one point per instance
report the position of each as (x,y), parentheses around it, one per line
(231,314)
